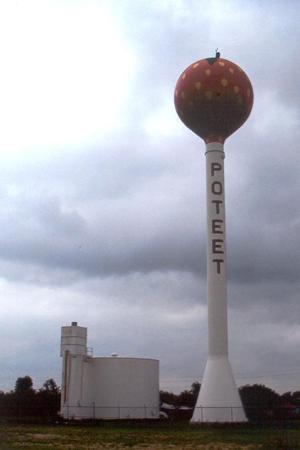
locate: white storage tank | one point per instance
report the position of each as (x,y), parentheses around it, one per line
(108,387)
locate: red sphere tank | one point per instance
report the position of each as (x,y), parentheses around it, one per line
(213,97)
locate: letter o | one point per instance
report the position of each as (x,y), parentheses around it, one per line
(217,188)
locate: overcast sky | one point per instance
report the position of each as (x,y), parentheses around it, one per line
(102,212)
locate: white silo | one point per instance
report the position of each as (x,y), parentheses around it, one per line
(73,350)
(106,387)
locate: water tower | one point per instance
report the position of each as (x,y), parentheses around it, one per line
(214,97)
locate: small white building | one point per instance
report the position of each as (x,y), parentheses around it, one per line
(105,387)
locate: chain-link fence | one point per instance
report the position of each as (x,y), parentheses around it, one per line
(255,413)
(94,411)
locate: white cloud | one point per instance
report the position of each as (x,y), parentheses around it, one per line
(273,117)
(163,122)
(66,74)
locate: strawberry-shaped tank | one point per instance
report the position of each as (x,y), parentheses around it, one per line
(213,97)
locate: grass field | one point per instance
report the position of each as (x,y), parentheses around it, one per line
(143,436)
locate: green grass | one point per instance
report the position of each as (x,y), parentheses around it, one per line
(144,436)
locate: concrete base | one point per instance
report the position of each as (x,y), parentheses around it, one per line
(219,399)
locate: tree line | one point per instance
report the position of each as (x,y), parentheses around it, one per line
(26,402)
(260,402)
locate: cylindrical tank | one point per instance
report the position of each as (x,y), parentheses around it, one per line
(122,387)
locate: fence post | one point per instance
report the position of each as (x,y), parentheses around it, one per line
(201,410)
(231,413)
(94,411)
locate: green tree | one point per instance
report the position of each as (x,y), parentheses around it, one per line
(195,389)
(50,386)
(24,385)
(24,397)
(296,398)
(189,397)
(168,397)
(48,399)
(260,402)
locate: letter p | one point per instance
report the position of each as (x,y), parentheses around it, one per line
(215,167)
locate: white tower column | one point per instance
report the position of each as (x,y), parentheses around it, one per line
(73,351)
(219,399)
